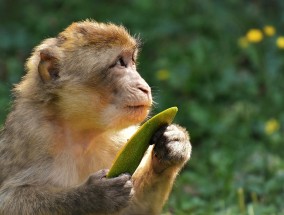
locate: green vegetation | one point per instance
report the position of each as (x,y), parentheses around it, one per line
(220,62)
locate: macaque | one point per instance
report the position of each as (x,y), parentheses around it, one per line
(78,104)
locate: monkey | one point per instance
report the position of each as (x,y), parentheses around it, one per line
(79,102)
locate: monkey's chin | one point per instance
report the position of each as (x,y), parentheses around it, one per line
(137,113)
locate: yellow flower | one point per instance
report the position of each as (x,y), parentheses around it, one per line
(269,30)
(243,42)
(163,75)
(254,35)
(271,126)
(280,42)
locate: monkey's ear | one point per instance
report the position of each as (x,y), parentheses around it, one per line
(48,66)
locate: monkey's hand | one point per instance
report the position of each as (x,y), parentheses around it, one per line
(107,195)
(172,148)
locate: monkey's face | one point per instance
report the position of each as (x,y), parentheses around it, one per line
(104,90)
(129,99)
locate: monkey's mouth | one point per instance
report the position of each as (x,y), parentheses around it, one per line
(141,109)
(137,107)
(138,112)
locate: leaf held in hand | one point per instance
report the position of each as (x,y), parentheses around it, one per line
(130,156)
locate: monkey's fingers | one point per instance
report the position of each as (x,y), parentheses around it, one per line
(121,180)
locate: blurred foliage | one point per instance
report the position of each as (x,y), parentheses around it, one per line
(220,62)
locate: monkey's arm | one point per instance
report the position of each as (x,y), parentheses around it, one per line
(94,196)
(154,179)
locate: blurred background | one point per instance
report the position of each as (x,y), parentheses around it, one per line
(220,62)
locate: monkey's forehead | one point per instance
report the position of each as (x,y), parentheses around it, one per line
(96,34)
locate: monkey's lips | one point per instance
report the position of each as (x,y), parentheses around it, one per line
(137,111)
(141,110)
(134,107)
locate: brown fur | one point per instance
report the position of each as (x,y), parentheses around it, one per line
(75,108)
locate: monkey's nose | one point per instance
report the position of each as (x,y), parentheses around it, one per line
(145,89)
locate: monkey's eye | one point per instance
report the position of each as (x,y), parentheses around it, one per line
(120,62)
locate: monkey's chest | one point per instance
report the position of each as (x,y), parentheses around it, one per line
(70,170)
